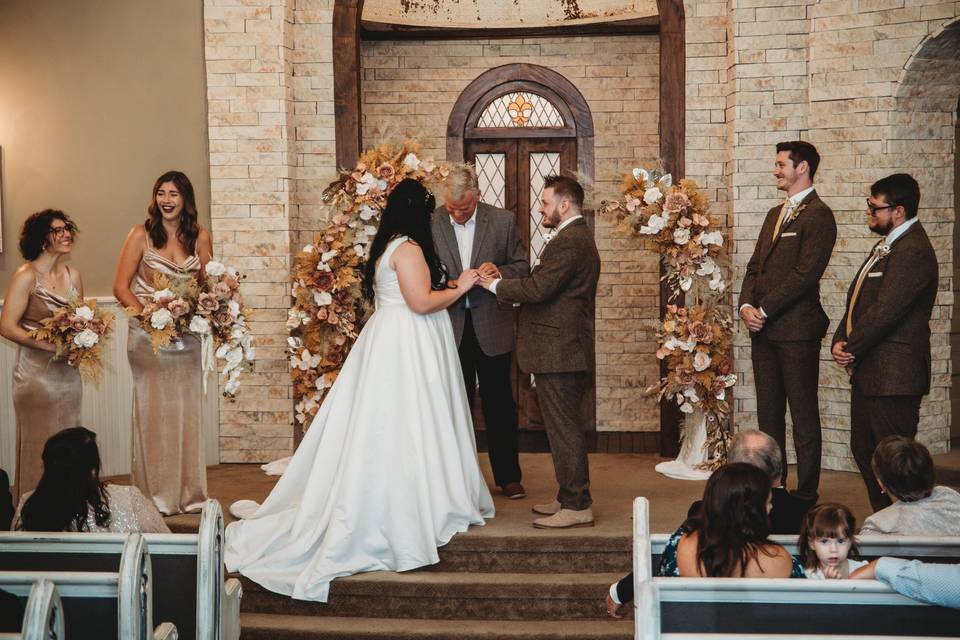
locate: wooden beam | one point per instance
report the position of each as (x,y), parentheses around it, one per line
(381,31)
(346,81)
(672,143)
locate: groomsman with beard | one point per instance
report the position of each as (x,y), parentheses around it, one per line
(469,234)
(883,341)
(780,306)
(555,343)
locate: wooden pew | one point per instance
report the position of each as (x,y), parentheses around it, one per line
(43,615)
(188,586)
(775,606)
(102,604)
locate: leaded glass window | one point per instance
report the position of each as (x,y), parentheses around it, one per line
(521,109)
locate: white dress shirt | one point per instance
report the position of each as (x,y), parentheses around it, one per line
(560,227)
(464,234)
(795,201)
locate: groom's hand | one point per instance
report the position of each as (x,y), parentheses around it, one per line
(489,270)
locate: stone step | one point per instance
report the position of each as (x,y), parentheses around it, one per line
(447,596)
(573,552)
(261,626)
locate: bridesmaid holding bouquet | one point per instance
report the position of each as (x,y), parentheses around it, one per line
(46,390)
(169,248)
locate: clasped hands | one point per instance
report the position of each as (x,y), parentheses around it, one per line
(482,275)
(841,357)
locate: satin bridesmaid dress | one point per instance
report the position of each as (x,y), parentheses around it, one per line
(46,392)
(168,460)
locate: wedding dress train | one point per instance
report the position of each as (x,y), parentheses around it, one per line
(386,473)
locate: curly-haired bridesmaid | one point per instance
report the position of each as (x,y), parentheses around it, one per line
(46,390)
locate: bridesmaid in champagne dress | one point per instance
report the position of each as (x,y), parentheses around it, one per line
(168,460)
(46,391)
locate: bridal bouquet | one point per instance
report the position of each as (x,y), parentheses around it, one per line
(166,316)
(78,331)
(220,321)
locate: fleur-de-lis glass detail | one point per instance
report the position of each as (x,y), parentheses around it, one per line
(520,110)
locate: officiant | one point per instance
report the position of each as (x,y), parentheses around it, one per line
(470,234)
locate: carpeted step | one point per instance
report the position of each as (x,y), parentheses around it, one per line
(447,596)
(259,626)
(570,553)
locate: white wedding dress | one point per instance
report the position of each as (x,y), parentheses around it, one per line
(388,470)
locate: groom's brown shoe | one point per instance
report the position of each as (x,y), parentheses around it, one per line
(547,509)
(566,519)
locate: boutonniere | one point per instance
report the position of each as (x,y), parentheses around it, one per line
(796,213)
(548,236)
(881,251)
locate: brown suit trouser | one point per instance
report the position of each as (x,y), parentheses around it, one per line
(789,371)
(559,395)
(873,418)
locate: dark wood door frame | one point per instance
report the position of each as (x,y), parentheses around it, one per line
(347,111)
(523,77)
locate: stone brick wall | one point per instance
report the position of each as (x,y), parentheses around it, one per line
(840,74)
(409,89)
(870,82)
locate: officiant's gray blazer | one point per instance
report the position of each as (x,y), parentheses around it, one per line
(495,240)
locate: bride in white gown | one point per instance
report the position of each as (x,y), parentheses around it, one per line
(388,470)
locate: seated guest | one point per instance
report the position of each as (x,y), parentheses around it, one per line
(6,502)
(762,451)
(827,544)
(71,497)
(924,581)
(904,470)
(730,536)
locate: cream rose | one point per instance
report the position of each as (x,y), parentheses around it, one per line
(86,339)
(160,318)
(199,325)
(215,269)
(84,312)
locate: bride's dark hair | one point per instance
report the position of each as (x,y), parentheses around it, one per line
(408,211)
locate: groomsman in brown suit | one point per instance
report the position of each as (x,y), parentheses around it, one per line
(555,343)
(883,340)
(469,234)
(780,306)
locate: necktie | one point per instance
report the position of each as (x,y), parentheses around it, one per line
(874,257)
(784,212)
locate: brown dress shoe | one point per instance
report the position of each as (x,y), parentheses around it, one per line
(513,491)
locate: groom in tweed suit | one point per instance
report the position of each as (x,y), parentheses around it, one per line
(883,340)
(780,306)
(469,234)
(555,343)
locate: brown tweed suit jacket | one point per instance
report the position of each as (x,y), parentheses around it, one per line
(891,322)
(783,275)
(556,304)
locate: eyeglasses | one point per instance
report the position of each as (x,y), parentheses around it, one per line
(874,208)
(59,231)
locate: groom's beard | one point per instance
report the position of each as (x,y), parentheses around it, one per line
(882,229)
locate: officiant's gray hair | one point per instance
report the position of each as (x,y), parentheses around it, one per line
(462,178)
(759,449)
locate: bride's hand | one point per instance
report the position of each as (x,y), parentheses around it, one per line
(467,279)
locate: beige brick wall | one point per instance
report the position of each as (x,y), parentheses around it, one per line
(409,89)
(839,74)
